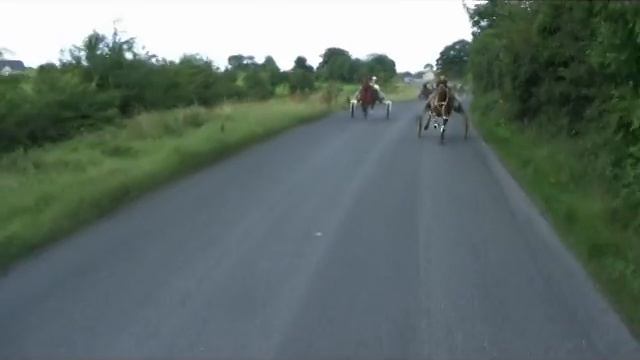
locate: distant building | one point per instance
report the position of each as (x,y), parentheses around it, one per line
(8,67)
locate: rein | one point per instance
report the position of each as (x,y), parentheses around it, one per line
(443,104)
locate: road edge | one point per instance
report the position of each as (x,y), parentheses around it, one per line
(527,212)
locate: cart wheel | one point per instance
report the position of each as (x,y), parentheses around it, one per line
(352,110)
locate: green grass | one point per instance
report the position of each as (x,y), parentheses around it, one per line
(395,91)
(49,192)
(562,176)
(402,92)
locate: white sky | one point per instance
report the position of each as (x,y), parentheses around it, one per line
(411,32)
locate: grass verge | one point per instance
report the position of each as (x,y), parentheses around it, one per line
(395,91)
(566,184)
(402,92)
(51,191)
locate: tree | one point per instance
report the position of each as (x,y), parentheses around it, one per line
(358,71)
(241,62)
(483,16)
(300,63)
(269,64)
(300,81)
(453,59)
(336,64)
(330,55)
(428,67)
(258,84)
(270,67)
(340,69)
(569,68)
(381,66)
(235,61)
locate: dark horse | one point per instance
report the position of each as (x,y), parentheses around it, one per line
(366,97)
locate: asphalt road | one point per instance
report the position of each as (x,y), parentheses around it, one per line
(339,239)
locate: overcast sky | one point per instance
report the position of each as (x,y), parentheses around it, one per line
(412,32)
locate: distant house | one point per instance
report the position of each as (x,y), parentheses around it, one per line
(8,67)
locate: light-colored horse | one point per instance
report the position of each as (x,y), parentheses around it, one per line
(441,103)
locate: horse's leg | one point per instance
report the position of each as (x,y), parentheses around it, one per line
(445,118)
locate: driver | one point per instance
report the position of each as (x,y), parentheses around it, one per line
(360,92)
(443,80)
(373,83)
(457,104)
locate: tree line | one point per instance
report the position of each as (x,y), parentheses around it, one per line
(107,77)
(570,68)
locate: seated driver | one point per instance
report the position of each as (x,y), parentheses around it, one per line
(457,105)
(358,94)
(373,83)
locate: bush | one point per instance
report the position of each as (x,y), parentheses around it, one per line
(568,67)
(568,71)
(301,81)
(107,77)
(52,106)
(331,92)
(258,85)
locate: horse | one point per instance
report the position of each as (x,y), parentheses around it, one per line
(366,97)
(425,93)
(441,103)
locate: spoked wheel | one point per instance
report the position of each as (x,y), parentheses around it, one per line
(352,109)
(422,125)
(443,129)
(426,127)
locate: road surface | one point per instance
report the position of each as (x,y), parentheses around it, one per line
(339,239)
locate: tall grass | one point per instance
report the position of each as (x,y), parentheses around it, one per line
(51,191)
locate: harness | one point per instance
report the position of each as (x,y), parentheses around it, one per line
(442,104)
(367,93)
